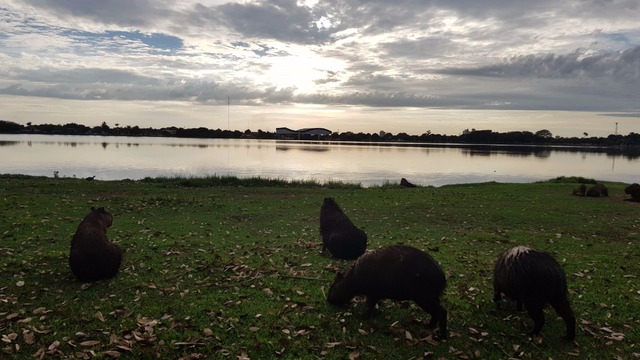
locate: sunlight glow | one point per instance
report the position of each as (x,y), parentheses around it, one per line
(301,71)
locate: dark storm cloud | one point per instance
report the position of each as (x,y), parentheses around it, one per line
(129,87)
(373,99)
(118,12)
(422,48)
(282,20)
(620,66)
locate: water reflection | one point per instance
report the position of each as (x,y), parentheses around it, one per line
(366,163)
(304,148)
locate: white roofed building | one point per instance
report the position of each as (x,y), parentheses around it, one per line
(306,133)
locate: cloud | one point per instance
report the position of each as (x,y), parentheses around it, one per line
(618,66)
(125,13)
(438,54)
(84,76)
(283,20)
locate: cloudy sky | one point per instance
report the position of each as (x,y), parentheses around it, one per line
(410,66)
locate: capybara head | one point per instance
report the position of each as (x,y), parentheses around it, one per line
(330,203)
(340,292)
(404,182)
(100,215)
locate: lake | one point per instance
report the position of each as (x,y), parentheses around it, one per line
(115,158)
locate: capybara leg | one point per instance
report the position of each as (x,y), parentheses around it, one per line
(497,297)
(371,305)
(442,316)
(438,316)
(563,309)
(537,314)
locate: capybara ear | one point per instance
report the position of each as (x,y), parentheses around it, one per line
(93,208)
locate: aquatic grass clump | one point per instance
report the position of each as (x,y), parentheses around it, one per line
(234,181)
(571,179)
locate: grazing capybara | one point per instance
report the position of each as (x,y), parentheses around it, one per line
(92,256)
(343,239)
(396,272)
(534,279)
(597,191)
(633,190)
(404,182)
(581,190)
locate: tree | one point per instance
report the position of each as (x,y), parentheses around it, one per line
(9,127)
(544,133)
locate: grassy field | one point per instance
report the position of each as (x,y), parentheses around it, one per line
(228,269)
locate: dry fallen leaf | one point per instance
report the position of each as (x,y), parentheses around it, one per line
(99,316)
(29,338)
(40,310)
(112,353)
(408,336)
(54,345)
(90,343)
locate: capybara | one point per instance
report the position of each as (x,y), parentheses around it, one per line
(343,239)
(396,272)
(92,256)
(581,190)
(534,279)
(597,191)
(404,182)
(633,190)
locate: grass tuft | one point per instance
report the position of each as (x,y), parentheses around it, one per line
(216,181)
(572,179)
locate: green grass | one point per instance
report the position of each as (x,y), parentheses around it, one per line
(229,268)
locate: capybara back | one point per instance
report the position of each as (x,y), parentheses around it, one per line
(534,279)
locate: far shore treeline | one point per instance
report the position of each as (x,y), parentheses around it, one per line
(473,136)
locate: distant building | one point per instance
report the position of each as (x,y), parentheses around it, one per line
(306,133)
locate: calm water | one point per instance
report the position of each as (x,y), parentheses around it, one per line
(112,158)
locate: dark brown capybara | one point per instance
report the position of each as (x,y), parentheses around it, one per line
(581,190)
(598,190)
(93,257)
(633,190)
(534,279)
(396,272)
(404,182)
(339,236)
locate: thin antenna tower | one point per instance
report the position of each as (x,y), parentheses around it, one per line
(228,106)
(616,129)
